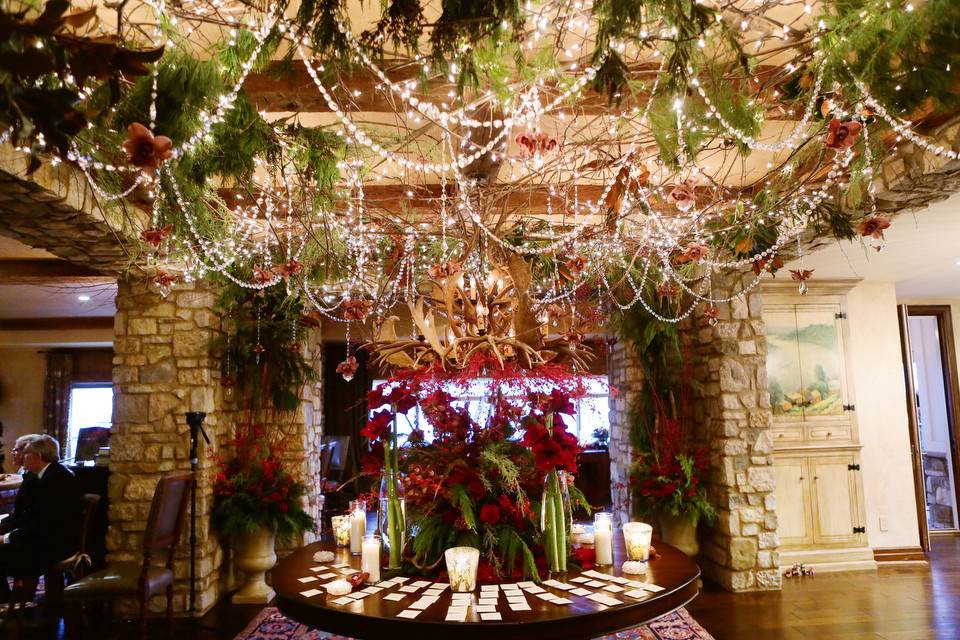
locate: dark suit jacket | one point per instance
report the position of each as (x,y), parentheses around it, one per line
(47,528)
(9,523)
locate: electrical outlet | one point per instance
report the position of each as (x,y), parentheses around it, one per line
(884,525)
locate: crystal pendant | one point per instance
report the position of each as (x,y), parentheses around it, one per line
(803,288)
(877,243)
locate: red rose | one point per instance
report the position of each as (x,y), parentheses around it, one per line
(490,514)
(586,557)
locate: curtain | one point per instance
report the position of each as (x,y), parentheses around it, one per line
(56,395)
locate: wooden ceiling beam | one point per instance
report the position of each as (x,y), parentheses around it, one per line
(15,272)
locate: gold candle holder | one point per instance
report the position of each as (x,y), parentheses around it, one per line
(462,568)
(636,537)
(341,530)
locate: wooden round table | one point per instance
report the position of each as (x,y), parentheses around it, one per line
(374,617)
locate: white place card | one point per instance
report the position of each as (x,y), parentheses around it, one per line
(603,598)
(409,588)
(316,569)
(637,594)
(597,575)
(484,608)
(456,615)
(524,585)
(432,592)
(466,597)
(546,596)
(510,586)
(516,598)
(533,589)
(422,603)
(324,576)
(372,590)
(359,595)
(400,579)
(595,583)
(309,593)
(349,572)
(519,606)
(635,584)
(307,579)
(619,580)
(613,588)
(408,613)
(579,591)
(491,615)
(457,609)
(579,579)
(562,601)
(420,583)
(653,588)
(489,587)
(340,565)
(484,601)
(343,600)
(395,597)
(440,586)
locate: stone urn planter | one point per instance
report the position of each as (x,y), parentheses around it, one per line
(255,556)
(679,531)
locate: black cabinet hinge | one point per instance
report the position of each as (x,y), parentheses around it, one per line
(853,467)
(840,316)
(849,407)
(859,529)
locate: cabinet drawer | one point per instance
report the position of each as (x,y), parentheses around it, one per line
(829,433)
(787,435)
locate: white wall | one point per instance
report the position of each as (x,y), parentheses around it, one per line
(21,395)
(880,396)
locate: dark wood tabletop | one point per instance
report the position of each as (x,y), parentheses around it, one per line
(374,617)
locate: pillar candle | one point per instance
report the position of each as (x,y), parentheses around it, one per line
(358,525)
(370,558)
(603,538)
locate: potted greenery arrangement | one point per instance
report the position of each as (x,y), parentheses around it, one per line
(256,501)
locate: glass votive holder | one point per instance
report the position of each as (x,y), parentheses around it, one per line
(636,537)
(577,532)
(358,525)
(462,568)
(370,557)
(341,530)
(603,538)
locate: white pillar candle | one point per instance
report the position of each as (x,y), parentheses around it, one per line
(370,558)
(603,538)
(462,568)
(636,537)
(358,525)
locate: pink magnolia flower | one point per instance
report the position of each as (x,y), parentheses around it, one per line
(682,196)
(146,150)
(842,135)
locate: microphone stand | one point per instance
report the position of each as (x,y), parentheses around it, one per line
(195,420)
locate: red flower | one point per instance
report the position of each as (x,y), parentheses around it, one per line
(490,514)
(476,489)
(586,557)
(694,252)
(156,236)
(378,425)
(873,226)
(683,196)
(348,368)
(356,309)
(146,151)
(842,135)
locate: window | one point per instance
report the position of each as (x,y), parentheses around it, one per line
(593,409)
(91,405)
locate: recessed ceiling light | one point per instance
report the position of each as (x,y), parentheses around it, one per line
(83,298)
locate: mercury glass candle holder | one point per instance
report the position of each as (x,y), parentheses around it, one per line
(341,530)
(636,537)
(462,568)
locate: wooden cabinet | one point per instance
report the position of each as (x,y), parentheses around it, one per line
(819,488)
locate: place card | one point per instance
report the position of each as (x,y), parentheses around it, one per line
(343,600)
(307,579)
(491,615)
(395,597)
(637,594)
(422,603)
(613,588)
(461,597)
(533,589)
(349,572)
(432,592)
(457,609)
(519,606)
(420,583)
(408,613)
(652,588)
(556,584)
(340,565)
(371,590)
(595,583)
(579,579)
(409,588)
(516,598)
(546,596)
(400,579)
(359,595)
(320,568)
(489,587)
(619,580)
(579,591)
(324,576)
(562,601)
(510,586)
(484,608)
(597,574)
(485,601)
(456,615)
(440,586)
(524,585)
(635,584)
(309,593)
(603,598)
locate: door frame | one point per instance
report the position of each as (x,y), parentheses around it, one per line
(913,428)
(948,359)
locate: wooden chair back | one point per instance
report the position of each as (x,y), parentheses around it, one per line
(165,522)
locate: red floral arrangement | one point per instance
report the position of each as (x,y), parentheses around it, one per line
(475,484)
(252,490)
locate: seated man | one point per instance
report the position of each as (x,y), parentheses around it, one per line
(47,525)
(7,524)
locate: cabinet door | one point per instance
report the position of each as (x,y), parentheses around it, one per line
(835,500)
(824,380)
(794,522)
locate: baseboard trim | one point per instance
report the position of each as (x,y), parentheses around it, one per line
(899,554)
(830,560)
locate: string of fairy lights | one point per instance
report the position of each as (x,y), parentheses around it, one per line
(660,210)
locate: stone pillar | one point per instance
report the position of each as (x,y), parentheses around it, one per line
(162,369)
(731,413)
(626,381)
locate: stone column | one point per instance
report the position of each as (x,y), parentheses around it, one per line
(162,369)
(626,382)
(731,414)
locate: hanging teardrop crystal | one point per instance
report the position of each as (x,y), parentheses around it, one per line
(803,288)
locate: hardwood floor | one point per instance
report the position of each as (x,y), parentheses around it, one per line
(897,603)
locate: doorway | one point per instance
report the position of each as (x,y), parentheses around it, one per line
(932,391)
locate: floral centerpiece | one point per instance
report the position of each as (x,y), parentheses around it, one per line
(253,491)
(478,483)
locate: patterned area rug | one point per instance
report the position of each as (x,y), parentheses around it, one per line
(270,624)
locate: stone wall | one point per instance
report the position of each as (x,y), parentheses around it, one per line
(626,381)
(162,369)
(731,414)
